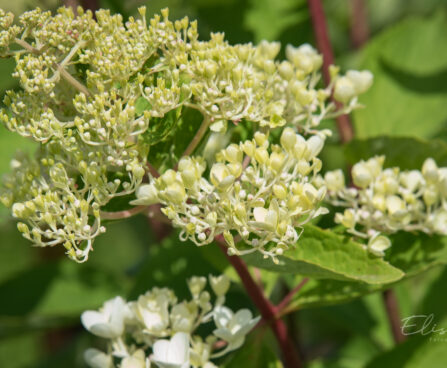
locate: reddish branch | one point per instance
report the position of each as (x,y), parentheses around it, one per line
(392,310)
(359,23)
(344,124)
(266,308)
(281,307)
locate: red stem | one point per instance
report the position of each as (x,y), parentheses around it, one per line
(359,23)
(344,124)
(285,302)
(266,308)
(392,310)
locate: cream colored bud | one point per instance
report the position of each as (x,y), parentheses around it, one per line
(233,153)
(169,177)
(196,284)
(288,139)
(146,195)
(277,160)
(430,170)
(315,145)
(362,80)
(249,148)
(378,244)
(279,191)
(361,176)
(286,70)
(412,180)
(440,222)
(430,195)
(220,284)
(347,219)
(335,180)
(261,155)
(344,90)
(175,193)
(260,138)
(395,205)
(18,210)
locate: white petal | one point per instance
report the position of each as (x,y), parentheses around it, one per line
(179,348)
(97,359)
(160,349)
(90,318)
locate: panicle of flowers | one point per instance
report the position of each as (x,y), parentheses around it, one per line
(387,200)
(259,191)
(159,329)
(94,92)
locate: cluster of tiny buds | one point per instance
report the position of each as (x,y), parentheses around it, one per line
(259,191)
(158,329)
(387,200)
(97,92)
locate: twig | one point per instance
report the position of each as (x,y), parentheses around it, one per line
(359,23)
(282,306)
(344,124)
(198,137)
(123,214)
(392,310)
(152,170)
(266,308)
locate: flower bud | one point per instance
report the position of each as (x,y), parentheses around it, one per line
(344,90)
(288,139)
(361,176)
(362,80)
(378,244)
(220,284)
(335,180)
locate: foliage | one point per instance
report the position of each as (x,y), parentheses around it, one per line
(243,138)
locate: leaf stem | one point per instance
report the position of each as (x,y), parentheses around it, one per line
(282,306)
(392,310)
(266,308)
(344,124)
(198,136)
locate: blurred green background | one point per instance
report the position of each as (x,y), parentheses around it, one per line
(403,42)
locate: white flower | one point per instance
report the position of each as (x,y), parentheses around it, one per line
(183,316)
(172,353)
(108,322)
(233,327)
(146,195)
(378,244)
(361,80)
(220,284)
(97,359)
(136,360)
(152,309)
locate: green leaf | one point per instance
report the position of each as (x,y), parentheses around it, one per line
(141,106)
(61,288)
(416,352)
(323,254)
(168,151)
(169,264)
(409,63)
(255,353)
(416,253)
(413,254)
(404,152)
(318,293)
(268,19)
(159,128)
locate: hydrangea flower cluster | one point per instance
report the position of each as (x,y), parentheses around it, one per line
(158,329)
(385,201)
(97,93)
(260,191)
